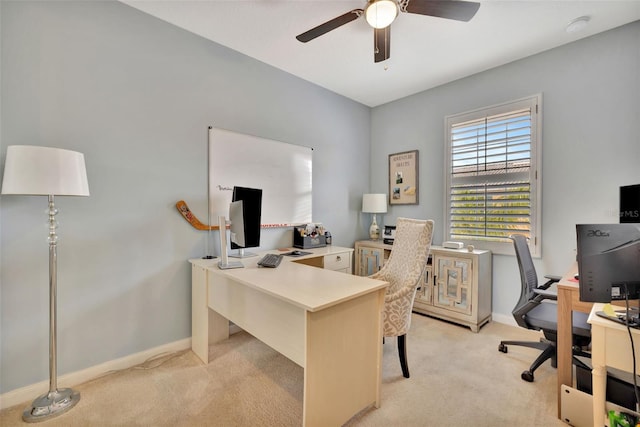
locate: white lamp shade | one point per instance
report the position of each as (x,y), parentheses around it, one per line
(31,170)
(381,13)
(374,203)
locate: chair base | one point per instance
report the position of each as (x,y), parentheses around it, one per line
(548,352)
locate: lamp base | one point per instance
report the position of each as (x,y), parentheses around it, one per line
(374,230)
(51,405)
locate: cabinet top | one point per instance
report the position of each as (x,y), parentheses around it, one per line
(436,248)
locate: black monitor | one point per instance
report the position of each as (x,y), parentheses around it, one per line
(630,204)
(245,214)
(608,261)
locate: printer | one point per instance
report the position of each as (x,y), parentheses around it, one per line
(389,234)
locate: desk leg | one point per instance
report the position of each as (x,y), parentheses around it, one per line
(598,376)
(207,326)
(342,372)
(565,342)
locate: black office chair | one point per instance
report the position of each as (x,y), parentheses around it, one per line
(535,312)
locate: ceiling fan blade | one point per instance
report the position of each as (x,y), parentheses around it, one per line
(381,43)
(330,25)
(449,9)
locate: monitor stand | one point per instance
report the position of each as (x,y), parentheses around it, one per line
(242,254)
(224,263)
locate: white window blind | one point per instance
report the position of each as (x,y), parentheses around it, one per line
(491,182)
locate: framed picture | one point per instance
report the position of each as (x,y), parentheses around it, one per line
(403,178)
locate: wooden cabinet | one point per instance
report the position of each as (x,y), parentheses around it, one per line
(456,285)
(370,256)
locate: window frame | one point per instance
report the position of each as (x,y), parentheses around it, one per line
(534,102)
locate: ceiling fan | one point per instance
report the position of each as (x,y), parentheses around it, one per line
(381,13)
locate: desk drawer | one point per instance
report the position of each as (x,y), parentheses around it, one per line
(341,261)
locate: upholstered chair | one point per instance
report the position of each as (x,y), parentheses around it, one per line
(403,270)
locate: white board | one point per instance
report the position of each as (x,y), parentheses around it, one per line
(283,172)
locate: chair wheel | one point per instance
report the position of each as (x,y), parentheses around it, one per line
(502,348)
(527,376)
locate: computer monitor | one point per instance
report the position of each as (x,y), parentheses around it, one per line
(245,212)
(608,261)
(630,204)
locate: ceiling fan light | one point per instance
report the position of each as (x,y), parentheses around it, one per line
(381,13)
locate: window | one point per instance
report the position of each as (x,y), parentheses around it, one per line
(492,178)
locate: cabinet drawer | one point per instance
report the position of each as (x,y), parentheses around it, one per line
(337,261)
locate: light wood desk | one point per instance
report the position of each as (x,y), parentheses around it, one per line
(610,346)
(568,301)
(328,322)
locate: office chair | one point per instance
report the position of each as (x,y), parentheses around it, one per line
(403,270)
(535,312)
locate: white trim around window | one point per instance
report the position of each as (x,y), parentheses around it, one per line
(492,175)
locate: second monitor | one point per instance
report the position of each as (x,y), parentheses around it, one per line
(245,214)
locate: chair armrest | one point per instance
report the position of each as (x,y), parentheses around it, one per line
(519,313)
(551,281)
(545,294)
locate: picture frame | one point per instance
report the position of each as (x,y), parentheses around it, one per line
(403,178)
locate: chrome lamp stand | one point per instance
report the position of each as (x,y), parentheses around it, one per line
(56,401)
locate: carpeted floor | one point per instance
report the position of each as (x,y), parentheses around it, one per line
(458,378)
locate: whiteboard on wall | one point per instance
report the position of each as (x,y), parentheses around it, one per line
(283,172)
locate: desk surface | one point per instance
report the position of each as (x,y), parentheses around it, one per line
(594,319)
(310,288)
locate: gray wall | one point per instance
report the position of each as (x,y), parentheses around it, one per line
(136,96)
(591,144)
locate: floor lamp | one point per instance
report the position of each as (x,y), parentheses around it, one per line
(45,171)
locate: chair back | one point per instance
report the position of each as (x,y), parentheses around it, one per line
(403,270)
(528,276)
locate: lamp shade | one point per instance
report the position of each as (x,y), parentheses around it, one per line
(31,170)
(381,13)
(374,203)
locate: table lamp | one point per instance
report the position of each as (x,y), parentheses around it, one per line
(374,203)
(45,171)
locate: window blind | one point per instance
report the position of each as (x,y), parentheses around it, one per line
(490,188)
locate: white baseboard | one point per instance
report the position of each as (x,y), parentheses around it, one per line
(503,318)
(30,392)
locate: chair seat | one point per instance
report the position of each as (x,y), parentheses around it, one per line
(545,317)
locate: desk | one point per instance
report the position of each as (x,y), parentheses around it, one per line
(328,322)
(610,346)
(568,301)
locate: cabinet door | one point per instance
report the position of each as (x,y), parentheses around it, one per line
(453,284)
(423,295)
(370,260)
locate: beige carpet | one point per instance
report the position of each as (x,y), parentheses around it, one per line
(458,378)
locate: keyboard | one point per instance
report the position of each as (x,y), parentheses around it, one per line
(270,260)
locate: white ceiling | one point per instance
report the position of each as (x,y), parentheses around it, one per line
(425,51)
